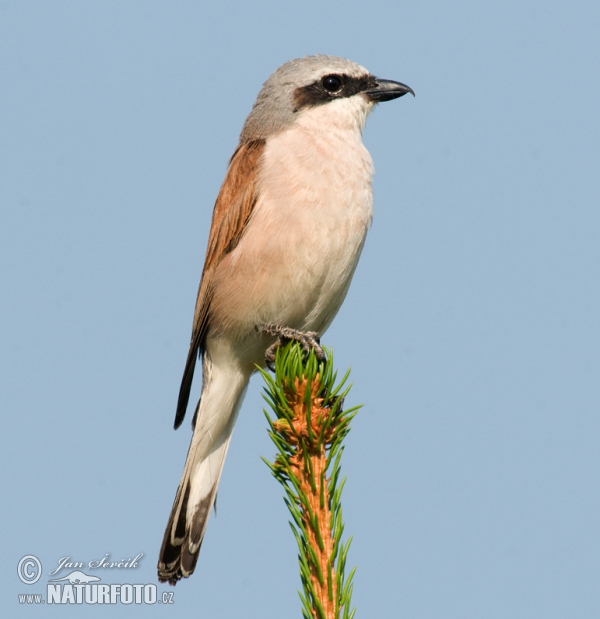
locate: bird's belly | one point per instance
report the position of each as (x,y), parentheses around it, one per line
(292,273)
(294,262)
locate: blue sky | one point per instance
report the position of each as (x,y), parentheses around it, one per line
(471,326)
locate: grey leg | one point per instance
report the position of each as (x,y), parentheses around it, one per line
(307,339)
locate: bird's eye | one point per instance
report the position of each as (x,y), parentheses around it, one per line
(332,83)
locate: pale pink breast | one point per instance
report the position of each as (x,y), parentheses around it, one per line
(295,260)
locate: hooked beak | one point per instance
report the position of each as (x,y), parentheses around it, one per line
(386,90)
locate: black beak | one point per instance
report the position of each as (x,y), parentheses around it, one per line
(386,90)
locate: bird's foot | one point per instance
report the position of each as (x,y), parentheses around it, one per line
(307,339)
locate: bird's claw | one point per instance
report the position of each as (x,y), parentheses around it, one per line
(309,340)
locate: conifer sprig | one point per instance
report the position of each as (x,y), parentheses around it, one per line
(308,430)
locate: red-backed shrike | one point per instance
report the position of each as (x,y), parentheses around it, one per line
(287,231)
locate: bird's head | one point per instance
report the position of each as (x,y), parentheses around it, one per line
(336,90)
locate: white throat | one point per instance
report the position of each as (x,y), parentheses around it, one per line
(346,114)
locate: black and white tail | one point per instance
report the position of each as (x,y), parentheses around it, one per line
(222,395)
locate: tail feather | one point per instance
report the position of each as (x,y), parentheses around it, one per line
(184,534)
(197,492)
(173,541)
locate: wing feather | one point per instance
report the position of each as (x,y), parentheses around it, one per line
(233,208)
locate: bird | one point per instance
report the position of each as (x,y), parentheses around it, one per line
(287,230)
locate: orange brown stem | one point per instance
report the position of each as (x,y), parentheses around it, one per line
(308,465)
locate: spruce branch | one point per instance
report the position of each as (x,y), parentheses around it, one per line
(308,429)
